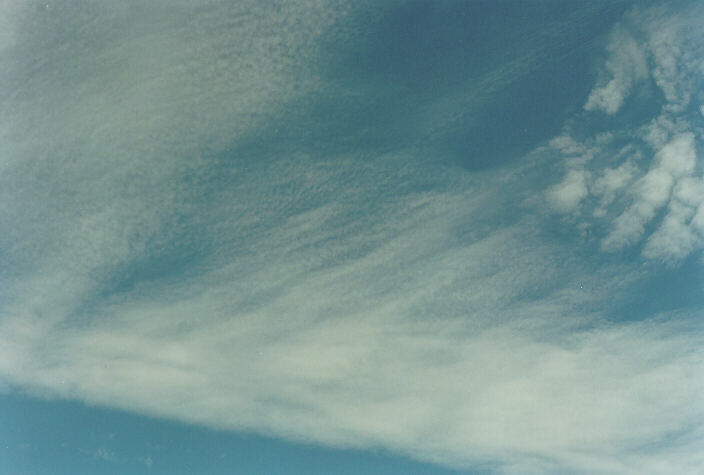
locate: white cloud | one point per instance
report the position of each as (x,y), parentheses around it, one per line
(626,64)
(337,360)
(568,145)
(679,157)
(652,192)
(152,262)
(677,51)
(673,45)
(612,181)
(566,195)
(663,128)
(674,239)
(670,42)
(448,351)
(677,235)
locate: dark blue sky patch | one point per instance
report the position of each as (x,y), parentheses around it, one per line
(62,437)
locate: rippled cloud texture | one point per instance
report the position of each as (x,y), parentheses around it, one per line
(229,214)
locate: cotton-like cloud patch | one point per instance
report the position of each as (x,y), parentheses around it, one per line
(631,187)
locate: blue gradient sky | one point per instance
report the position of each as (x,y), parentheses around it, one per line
(351,237)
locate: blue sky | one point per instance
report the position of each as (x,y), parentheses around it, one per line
(358,237)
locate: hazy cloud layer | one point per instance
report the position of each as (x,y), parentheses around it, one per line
(172,245)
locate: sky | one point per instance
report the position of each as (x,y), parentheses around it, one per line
(329,236)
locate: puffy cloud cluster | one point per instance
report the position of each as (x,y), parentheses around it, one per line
(659,171)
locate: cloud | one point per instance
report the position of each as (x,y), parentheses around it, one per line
(659,43)
(612,181)
(677,53)
(636,192)
(626,65)
(167,250)
(566,196)
(652,191)
(674,238)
